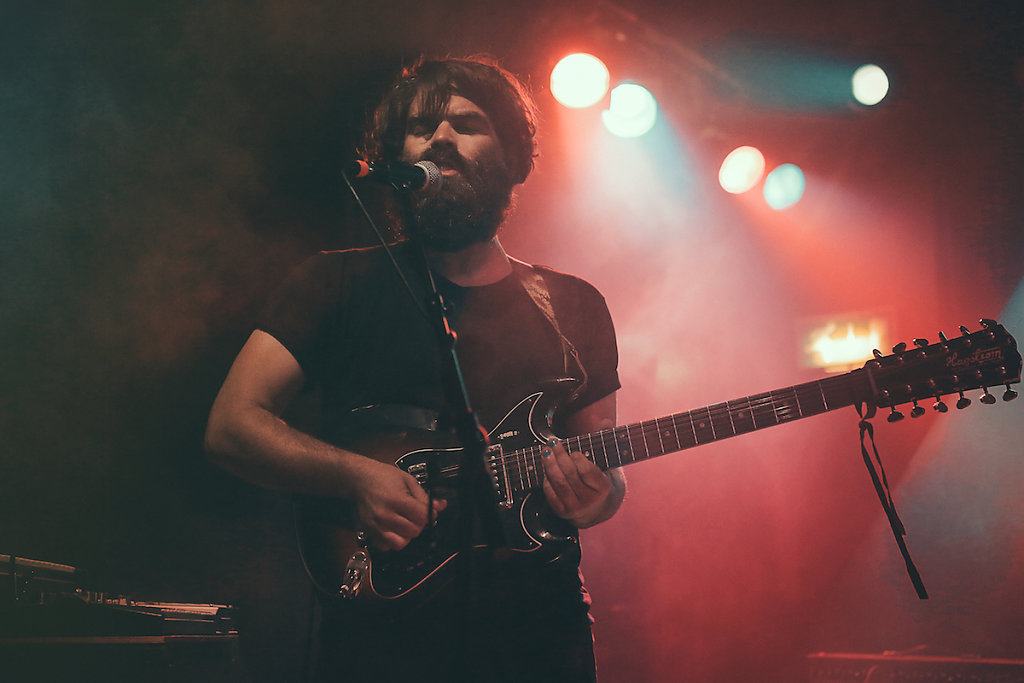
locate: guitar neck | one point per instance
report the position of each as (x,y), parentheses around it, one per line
(663,435)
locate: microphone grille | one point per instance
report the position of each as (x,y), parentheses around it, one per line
(434,176)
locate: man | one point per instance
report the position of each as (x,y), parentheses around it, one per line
(347,323)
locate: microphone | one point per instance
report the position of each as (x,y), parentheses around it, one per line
(423,175)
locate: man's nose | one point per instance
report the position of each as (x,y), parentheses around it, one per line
(444,134)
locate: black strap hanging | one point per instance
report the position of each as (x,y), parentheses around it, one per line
(885,496)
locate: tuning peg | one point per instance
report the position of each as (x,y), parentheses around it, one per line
(942,337)
(987,398)
(1010,394)
(876,353)
(940,406)
(988,323)
(894,416)
(963,402)
(917,411)
(920,343)
(964,330)
(900,348)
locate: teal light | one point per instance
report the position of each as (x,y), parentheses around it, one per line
(784,186)
(632,111)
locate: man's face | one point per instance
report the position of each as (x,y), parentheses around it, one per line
(475,191)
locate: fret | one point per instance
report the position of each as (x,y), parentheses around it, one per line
(742,416)
(669,434)
(721,420)
(609,436)
(693,428)
(845,390)
(623,446)
(783,403)
(604,448)
(589,448)
(661,441)
(762,410)
(531,468)
(631,439)
(644,431)
(703,427)
(810,399)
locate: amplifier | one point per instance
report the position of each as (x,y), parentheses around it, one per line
(826,667)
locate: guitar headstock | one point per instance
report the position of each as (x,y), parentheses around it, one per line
(976,360)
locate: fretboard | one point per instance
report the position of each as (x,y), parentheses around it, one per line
(627,444)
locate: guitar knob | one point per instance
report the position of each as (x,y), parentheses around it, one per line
(894,416)
(988,323)
(987,398)
(1010,394)
(963,402)
(920,343)
(917,411)
(900,348)
(940,406)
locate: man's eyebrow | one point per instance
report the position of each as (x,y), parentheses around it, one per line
(457,117)
(414,121)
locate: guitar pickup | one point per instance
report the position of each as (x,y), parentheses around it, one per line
(498,469)
(420,473)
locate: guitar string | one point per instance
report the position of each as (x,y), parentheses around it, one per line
(783,402)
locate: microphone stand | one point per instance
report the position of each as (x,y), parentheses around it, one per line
(476,491)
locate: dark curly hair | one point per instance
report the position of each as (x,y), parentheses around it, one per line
(501,96)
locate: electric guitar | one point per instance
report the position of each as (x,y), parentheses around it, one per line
(340,563)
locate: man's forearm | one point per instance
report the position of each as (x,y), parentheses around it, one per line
(258,446)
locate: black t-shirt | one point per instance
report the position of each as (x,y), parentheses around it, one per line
(358,335)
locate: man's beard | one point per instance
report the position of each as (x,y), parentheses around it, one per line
(468,208)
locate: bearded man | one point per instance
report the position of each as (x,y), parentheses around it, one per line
(348,324)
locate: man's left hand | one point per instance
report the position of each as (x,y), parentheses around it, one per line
(576,489)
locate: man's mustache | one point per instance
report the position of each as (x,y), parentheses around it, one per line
(450,159)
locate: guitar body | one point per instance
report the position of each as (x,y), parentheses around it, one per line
(531,532)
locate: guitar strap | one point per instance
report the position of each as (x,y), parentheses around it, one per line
(885,495)
(537,288)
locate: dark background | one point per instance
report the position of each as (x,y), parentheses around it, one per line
(164,164)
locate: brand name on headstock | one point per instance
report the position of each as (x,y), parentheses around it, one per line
(958,361)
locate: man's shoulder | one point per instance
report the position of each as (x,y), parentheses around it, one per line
(355,259)
(356,254)
(560,281)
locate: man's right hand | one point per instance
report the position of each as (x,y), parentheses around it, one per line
(393,508)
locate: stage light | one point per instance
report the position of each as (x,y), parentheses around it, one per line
(784,186)
(579,80)
(843,343)
(870,84)
(631,112)
(741,170)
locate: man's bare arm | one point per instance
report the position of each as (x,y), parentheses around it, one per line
(246,436)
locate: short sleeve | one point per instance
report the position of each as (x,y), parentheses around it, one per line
(298,311)
(585,320)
